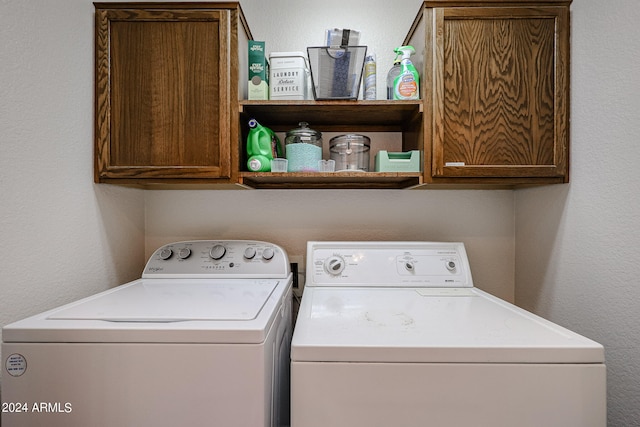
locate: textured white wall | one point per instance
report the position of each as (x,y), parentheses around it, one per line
(578,246)
(62,237)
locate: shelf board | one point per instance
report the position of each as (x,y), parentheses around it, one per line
(338,115)
(335,180)
(380,115)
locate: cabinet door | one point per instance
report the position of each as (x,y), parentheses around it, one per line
(162,94)
(500,92)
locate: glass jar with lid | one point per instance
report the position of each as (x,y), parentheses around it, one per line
(350,152)
(303,148)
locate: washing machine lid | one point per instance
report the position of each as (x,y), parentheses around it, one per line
(161,310)
(175,300)
(421,325)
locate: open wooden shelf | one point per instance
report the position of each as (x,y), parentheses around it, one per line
(374,116)
(336,116)
(334,180)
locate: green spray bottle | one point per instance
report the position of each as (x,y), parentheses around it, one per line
(407,84)
(262,146)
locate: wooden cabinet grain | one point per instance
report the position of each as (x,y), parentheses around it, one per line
(495,87)
(167,86)
(171,100)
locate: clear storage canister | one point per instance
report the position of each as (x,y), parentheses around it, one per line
(351,152)
(303,148)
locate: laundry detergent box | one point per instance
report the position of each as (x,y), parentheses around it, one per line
(289,76)
(258,71)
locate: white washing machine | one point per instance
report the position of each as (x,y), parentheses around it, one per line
(395,334)
(202,339)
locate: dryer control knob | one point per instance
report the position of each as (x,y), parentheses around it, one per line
(334,265)
(217,252)
(409,266)
(166,253)
(451,265)
(268,253)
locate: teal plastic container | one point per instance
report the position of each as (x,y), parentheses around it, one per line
(262,146)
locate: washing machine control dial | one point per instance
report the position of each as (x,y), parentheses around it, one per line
(334,265)
(217,252)
(250,252)
(166,253)
(267,254)
(184,253)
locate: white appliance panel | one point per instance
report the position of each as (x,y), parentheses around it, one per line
(201,339)
(111,316)
(145,385)
(439,325)
(173,301)
(395,333)
(448,394)
(396,264)
(219,259)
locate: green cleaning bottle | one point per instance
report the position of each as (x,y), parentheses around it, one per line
(262,146)
(407,84)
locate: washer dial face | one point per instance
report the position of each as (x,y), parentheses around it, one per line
(184,253)
(250,252)
(268,254)
(217,252)
(166,253)
(334,265)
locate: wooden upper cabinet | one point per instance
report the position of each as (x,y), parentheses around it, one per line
(496,90)
(494,110)
(167,91)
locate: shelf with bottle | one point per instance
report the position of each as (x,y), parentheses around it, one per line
(403,119)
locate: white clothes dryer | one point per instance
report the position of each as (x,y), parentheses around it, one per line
(395,334)
(201,339)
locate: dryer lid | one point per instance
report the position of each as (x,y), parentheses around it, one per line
(429,325)
(174,300)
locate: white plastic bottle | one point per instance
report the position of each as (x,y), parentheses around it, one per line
(370,77)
